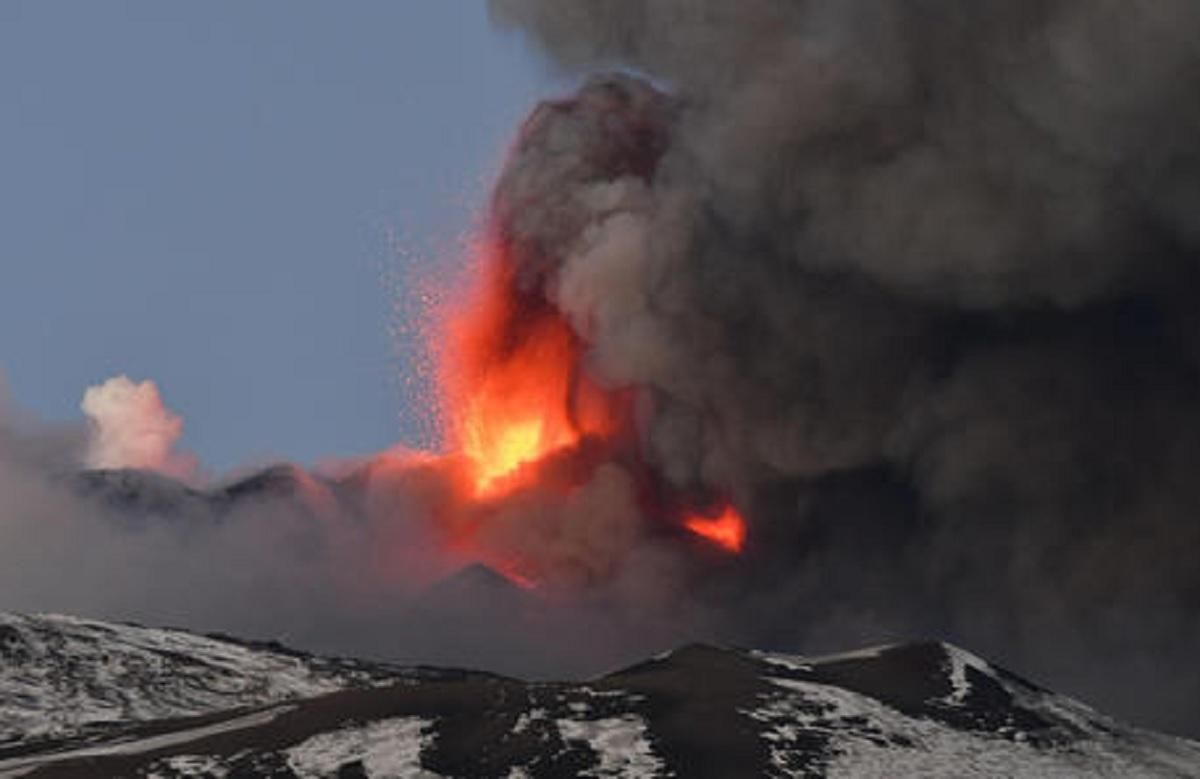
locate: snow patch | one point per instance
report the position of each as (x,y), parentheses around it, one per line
(957,663)
(527,718)
(805,662)
(621,744)
(388,748)
(205,766)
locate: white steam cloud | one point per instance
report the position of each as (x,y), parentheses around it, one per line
(132,428)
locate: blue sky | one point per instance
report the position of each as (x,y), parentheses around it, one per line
(205,194)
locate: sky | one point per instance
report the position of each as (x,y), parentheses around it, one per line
(234,199)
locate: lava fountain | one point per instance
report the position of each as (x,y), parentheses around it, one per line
(513,393)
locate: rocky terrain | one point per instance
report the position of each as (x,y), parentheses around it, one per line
(82,698)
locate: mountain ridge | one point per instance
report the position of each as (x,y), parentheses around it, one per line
(260,709)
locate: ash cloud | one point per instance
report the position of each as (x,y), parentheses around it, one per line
(915,282)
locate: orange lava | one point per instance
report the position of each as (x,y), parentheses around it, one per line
(727,529)
(523,424)
(511,387)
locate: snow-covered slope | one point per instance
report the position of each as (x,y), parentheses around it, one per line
(62,677)
(934,710)
(925,709)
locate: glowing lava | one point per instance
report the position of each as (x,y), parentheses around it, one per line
(516,413)
(525,425)
(512,390)
(727,529)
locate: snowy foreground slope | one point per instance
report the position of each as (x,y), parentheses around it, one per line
(62,677)
(81,698)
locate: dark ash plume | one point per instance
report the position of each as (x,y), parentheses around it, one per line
(916,282)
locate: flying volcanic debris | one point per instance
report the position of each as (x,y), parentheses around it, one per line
(914,285)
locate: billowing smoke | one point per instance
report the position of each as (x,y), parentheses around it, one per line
(915,282)
(131,428)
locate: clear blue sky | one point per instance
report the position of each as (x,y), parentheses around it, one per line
(202,194)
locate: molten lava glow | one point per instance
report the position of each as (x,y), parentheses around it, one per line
(517,413)
(511,385)
(727,529)
(525,426)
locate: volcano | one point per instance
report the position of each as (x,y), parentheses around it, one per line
(794,325)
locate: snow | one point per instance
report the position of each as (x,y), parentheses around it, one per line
(20,766)
(192,765)
(59,674)
(806,663)
(894,744)
(957,663)
(527,718)
(387,748)
(594,693)
(621,744)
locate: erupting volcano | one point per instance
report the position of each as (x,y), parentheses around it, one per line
(521,414)
(800,326)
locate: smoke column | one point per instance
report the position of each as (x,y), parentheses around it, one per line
(915,282)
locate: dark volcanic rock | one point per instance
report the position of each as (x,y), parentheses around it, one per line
(136,494)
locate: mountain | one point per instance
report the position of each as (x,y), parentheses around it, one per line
(80,698)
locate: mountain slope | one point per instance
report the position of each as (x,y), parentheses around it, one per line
(62,677)
(918,709)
